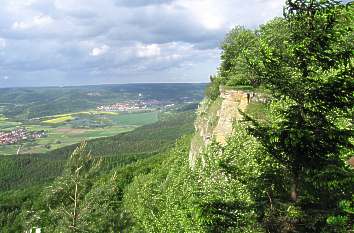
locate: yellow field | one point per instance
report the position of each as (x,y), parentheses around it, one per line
(85,112)
(59,119)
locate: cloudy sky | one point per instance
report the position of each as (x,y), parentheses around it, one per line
(73,42)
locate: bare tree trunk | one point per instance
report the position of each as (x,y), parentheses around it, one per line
(75,207)
(294,187)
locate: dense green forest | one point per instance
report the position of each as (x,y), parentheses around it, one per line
(284,169)
(23,177)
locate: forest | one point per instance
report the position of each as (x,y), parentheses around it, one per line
(23,178)
(285,169)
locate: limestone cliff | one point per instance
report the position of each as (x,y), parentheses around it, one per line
(215,119)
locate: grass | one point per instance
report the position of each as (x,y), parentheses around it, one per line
(9,125)
(136,118)
(61,137)
(257,111)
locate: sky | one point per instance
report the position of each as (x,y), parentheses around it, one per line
(80,42)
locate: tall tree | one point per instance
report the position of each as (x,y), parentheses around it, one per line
(311,78)
(65,197)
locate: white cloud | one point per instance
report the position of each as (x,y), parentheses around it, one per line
(207,12)
(99,50)
(37,21)
(150,50)
(139,40)
(2,43)
(6,77)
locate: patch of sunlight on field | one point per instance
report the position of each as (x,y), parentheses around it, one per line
(80,113)
(59,120)
(2,118)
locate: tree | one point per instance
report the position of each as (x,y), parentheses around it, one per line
(312,82)
(237,46)
(65,197)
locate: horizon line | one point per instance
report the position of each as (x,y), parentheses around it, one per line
(102,84)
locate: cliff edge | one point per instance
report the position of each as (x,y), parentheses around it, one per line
(215,119)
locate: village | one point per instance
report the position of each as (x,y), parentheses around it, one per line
(123,107)
(20,134)
(135,106)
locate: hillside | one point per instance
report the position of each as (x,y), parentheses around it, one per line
(273,135)
(28,103)
(39,120)
(23,177)
(266,151)
(20,171)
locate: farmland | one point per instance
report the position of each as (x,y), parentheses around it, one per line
(65,129)
(87,113)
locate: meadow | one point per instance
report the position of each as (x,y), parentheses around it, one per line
(69,115)
(67,129)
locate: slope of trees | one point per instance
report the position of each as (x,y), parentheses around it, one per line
(287,172)
(23,178)
(20,171)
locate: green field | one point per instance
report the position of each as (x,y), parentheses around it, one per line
(6,124)
(66,129)
(68,115)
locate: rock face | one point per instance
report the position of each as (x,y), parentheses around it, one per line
(232,103)
(215,119)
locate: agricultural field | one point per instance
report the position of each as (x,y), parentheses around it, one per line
(63,116)
(66,129)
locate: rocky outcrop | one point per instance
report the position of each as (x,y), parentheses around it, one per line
(232,103)
(215,119)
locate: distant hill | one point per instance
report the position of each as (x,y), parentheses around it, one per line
(27,103)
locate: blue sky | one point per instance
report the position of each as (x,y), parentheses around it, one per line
(79,42)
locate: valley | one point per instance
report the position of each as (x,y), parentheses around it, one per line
(265,147)
(88,113)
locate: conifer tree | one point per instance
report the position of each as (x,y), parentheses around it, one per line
(312,81)
(65,197)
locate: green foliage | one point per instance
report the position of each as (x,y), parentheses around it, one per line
(11,205)
(282,170)
(213,89)
(128,154)
(343,221)
(19,171)
(305,60)
(152,199)
(65,197)
(172,198)
(309,72)
(226,201)
(239,44)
